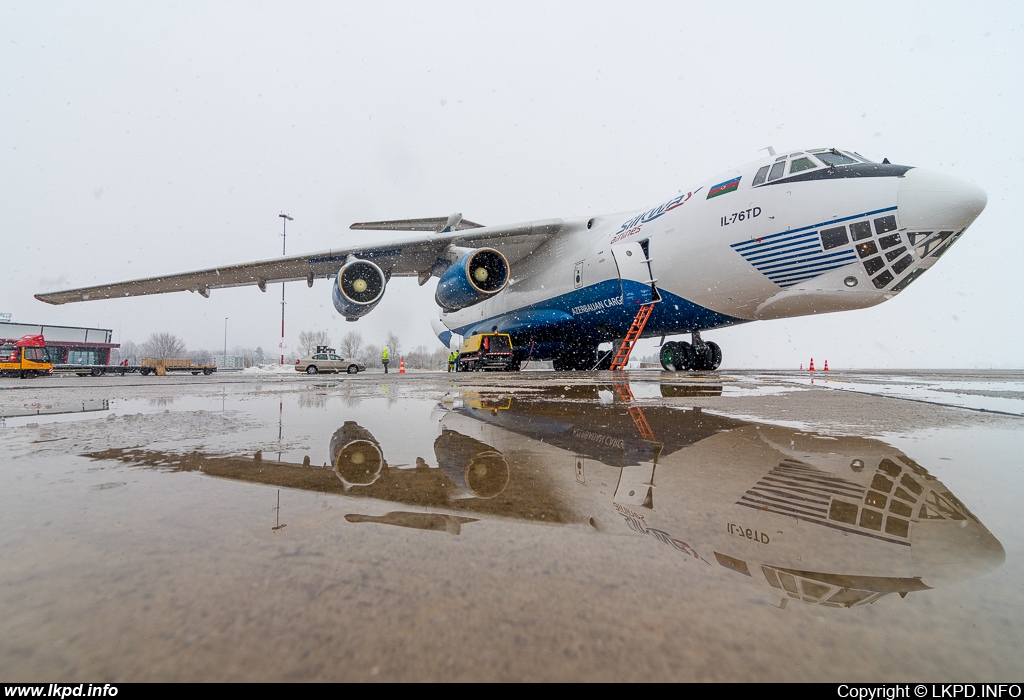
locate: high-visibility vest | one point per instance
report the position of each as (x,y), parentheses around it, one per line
(384,355)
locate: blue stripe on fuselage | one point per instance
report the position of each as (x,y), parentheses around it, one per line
(596,314)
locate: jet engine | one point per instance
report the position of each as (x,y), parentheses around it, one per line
(477,275)
(358,288)
(356,455)
(473,465)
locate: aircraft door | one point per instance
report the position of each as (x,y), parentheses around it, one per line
(636,486)
(634,266)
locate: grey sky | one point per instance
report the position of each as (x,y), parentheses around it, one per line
(147,138)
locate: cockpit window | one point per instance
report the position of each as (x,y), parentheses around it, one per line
(834,157)
(761,175)
(777,169)
(801,164)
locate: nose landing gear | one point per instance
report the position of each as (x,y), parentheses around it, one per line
(678,356)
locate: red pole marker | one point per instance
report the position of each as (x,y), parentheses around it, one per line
(401,366)
(826,366)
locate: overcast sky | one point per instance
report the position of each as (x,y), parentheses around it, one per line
(143,138)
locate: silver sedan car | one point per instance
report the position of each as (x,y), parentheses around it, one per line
(328,362)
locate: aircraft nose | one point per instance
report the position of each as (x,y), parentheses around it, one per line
(948,551)
(933,200)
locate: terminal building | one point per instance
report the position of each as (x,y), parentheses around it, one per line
(65,345)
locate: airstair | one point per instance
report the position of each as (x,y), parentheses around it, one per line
(635,412)
(622,356)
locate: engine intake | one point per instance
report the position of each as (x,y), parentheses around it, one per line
(477,275)
(358,288)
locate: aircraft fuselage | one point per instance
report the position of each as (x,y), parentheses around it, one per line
(822,239)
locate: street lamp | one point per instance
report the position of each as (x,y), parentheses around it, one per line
(284,242)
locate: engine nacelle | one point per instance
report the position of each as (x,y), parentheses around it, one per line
(358,288)
(477,275)
(356,456)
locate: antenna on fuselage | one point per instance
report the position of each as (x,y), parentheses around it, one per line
(771,151)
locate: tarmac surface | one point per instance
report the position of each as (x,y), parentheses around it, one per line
(637,526)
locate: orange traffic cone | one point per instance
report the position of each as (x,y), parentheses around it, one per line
(811,368)
(801,366)
(826,366)
(401,366)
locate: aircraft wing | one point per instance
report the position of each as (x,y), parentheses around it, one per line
(403,257)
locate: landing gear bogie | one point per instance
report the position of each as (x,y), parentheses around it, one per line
(680,356)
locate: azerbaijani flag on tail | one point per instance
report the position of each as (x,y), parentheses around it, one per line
(724,187)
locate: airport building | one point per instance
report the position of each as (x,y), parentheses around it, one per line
(65,345)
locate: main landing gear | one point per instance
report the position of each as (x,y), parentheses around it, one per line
(678,356)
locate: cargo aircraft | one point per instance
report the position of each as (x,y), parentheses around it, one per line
(807,232)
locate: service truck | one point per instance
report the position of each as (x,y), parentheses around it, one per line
(25,358)
(487,351)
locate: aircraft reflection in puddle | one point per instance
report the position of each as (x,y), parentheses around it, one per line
(834,521)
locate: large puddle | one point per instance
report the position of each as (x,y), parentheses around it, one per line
(569,531)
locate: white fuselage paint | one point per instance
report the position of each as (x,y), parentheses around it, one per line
(692,241)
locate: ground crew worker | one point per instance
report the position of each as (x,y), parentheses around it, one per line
(451,361)
(385,358)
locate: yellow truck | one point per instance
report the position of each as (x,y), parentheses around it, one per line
(487,351)
(25,358)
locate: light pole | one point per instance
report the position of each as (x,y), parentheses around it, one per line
(224,365)
(284,242)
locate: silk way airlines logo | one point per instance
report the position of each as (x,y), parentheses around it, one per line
(633,225)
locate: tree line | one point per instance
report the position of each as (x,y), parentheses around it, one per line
(351,345)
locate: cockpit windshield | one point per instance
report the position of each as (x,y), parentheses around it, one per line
(805,163)
(834,157)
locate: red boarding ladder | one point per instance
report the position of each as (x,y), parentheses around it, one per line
(622,357)
(635,412)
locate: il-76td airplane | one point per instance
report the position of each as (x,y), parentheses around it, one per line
(810,232)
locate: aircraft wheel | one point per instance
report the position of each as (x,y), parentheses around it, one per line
(668,356)
(352,369)
(714,356)
(311,369)
(686,357)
